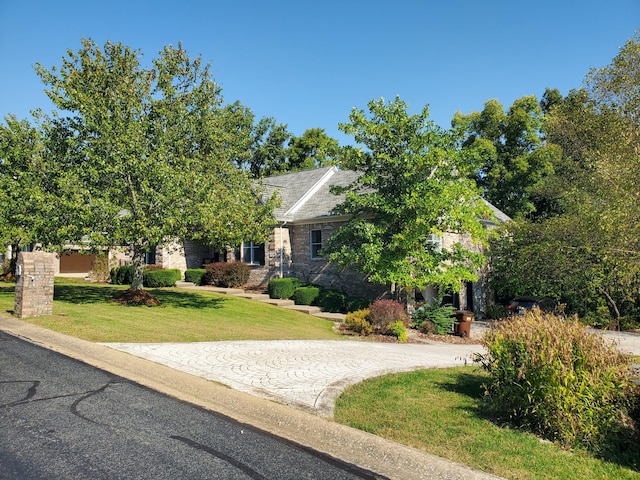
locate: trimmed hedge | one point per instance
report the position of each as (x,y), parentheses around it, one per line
(152,276)
(281,287)
(331,300)
(161,278)
(122,275)
(194,275)
(305,295)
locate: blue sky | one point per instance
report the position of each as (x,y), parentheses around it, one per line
(307,64)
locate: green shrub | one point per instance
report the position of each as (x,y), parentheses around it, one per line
(495,312)
(398,330)
(352,304)
(358,322)
(560,381)
(433,318)
(281,288)
(305,295)
(226,274)
(157,278)
(384,312)
(194,275)
(122,275)
(331,300)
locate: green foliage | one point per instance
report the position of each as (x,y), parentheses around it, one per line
(583,245)
(122,275)
(513,160)
(153,276)
(194,275)
(412,185)
(384,312)
(281,288)
(358,322)
(434,318)
(352,304)
(560,381)
(398,330)
(226,274)
(149,147)
(495,312)
(331,300)
(305,295)
(157,278)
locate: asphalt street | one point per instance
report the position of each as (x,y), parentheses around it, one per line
(307,432)
(62,419)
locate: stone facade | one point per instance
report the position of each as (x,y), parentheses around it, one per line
(34,285)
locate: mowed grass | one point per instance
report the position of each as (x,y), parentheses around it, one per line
(441,411)
(87,311)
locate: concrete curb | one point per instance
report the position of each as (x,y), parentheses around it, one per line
(352,446)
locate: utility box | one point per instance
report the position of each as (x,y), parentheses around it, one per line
(34,284)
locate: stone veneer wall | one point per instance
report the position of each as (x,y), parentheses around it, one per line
(320,271)
(34,285)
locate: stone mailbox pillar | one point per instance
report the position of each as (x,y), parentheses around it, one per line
(34,284)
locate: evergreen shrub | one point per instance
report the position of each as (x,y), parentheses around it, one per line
(157,278)
(122,275)
(305,295)
(226,274)
(433,318)
(331,300)
(281,287)
(194,275)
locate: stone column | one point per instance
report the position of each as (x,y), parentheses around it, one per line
(34,285)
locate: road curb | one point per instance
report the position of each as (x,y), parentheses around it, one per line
(367,451)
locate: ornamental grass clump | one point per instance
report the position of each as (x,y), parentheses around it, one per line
(560,381)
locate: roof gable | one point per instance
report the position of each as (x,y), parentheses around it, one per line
(306,195)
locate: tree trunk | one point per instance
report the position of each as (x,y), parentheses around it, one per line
(138,269)
(15,249)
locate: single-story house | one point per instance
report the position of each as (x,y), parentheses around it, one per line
(304,222)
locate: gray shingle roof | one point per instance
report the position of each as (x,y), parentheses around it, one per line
(306,195)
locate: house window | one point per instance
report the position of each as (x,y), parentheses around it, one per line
(252,253)
(316,243)
(434,243)
(150,257)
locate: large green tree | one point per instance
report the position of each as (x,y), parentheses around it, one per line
(413,187)
(151,150)
(588,243)
(513,158)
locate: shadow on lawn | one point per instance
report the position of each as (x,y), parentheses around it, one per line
(91,294)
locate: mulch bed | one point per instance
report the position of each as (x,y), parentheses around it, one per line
(136,297)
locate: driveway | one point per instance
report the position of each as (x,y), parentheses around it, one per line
(310,375)
(304,374)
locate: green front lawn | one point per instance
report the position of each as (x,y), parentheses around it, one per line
(86,311)
(440,411)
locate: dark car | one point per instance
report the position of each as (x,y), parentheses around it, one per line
(520,305)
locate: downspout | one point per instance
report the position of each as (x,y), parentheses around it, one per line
(282,250)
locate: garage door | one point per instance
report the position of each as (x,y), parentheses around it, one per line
(75,262)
